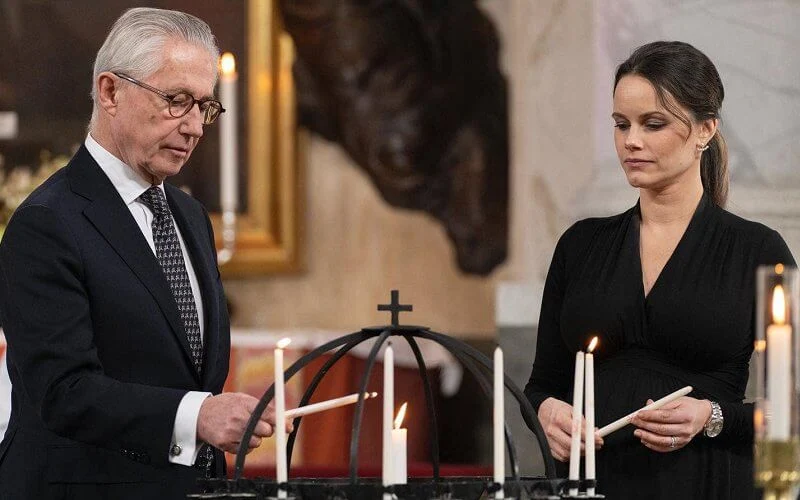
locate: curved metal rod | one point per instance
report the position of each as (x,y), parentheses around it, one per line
(362,387)
(485,385)
(453,345)
(528,414)
(312,387)
(426,384)
(269,393)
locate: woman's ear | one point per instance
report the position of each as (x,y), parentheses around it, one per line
(707,130)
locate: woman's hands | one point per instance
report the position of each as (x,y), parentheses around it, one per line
(672,426)
(556,419)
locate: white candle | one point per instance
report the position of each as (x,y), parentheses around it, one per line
(281,474)
(499,422)
(228,147)
(577,405)
(399,453)
(330,404)
(622,422)
(779,375)
(388,410)
(590,466)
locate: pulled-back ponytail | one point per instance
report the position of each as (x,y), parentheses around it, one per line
(714,170)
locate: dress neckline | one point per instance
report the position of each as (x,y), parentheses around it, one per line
(635,233)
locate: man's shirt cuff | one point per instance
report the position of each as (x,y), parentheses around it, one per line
(185,445)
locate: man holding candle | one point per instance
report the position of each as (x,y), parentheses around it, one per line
(111,300)
(669,286)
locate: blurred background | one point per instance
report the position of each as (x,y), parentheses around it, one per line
(437,147)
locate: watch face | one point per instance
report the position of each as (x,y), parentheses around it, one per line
(714,428)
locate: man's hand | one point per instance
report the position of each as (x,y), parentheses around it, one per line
(223,418)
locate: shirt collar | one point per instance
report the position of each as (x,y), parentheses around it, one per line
(126,181)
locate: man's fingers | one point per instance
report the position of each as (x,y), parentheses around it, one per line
(263,429)
(255,442)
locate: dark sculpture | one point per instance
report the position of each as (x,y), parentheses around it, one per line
(412,90)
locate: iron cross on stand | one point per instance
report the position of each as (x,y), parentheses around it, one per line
(395,307)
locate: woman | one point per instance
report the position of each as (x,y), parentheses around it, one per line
(668,286)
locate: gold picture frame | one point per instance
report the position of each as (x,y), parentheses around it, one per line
(267,232)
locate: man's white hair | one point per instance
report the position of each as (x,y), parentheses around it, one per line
(134,44)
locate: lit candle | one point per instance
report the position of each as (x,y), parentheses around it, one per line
(388,411)
(281,475)
(228,150)
(399,454)
(590,469)
(577,405)
(779,376)
(499,422)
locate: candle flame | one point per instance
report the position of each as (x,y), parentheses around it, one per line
(398,421)
(592,344)
(227,64)
(778,306)
(282,343)
(373,394)
(760,345)
(758,418)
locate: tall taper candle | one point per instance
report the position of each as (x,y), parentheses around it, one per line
(577,415)
(590,466)
(779,370)
(499,422)
(388,413)
(228,145)
(281,474)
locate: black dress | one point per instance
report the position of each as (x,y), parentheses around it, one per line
(695,327)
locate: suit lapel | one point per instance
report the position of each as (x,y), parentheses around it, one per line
(196,236)
(112,219)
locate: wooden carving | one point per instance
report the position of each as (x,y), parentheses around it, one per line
(413,92)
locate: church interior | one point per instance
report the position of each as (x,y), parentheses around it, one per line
(482,133)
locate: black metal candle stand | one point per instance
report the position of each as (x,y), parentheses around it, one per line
(355,488)
(450,488)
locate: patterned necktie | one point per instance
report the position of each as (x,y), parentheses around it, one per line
(170,256)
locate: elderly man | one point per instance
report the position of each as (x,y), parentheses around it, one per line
(110,296)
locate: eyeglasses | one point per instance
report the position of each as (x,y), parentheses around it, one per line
(182,102)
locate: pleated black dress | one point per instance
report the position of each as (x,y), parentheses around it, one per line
(695,327)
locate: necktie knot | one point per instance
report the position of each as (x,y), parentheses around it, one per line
(156,201)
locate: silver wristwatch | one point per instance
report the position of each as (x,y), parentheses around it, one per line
(714,425)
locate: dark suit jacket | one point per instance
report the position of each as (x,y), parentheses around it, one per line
(98,356)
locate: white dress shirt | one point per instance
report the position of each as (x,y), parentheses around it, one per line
(130,186)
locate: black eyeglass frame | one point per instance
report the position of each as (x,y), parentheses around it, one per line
(170,99)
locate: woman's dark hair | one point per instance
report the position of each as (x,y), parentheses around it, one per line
(689,76)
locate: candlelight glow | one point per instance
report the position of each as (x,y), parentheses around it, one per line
(227,64)
(758,418)
(592,344)
(398,421)
(778,306)
(282,343)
